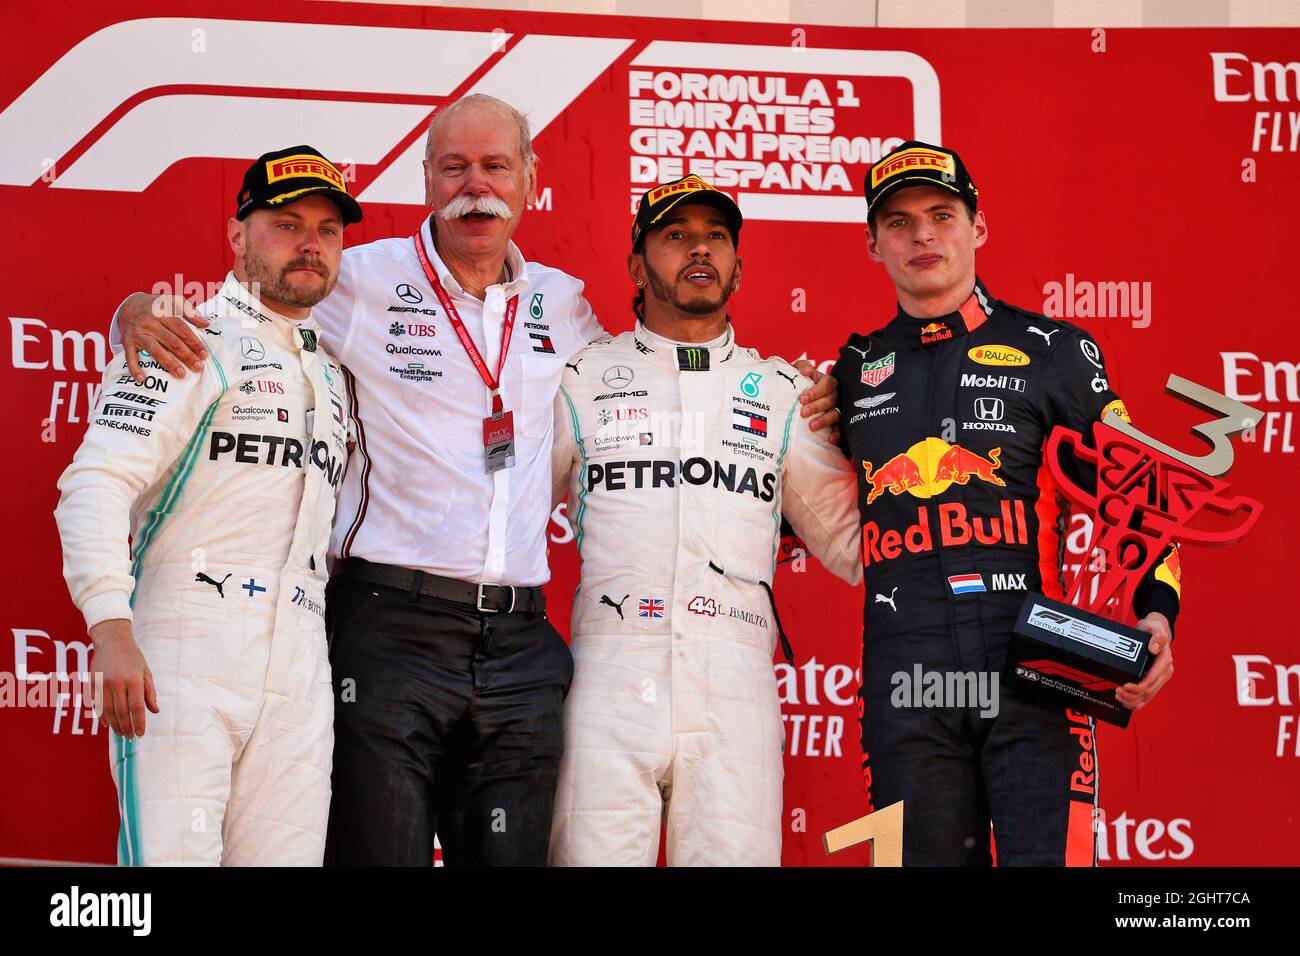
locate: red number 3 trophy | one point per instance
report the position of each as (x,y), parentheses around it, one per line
(1146,498)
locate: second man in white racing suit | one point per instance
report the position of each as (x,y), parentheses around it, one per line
(681,450)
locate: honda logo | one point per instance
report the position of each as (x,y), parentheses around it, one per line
(988,409)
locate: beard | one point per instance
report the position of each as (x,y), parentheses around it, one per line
(667,293)
(269,282)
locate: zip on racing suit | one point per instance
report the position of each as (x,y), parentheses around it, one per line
(945,421)
(225,482)
(680,460)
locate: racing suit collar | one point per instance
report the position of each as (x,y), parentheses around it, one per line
(973,313)
(517,279)
(686,356)
(235,300)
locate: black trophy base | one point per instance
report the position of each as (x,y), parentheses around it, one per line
(1061,655)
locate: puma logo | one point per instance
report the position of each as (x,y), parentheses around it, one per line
(788,378)
(604,599)
(574,366)
(862,352)
(881,599)
(216,584)
(1047,336)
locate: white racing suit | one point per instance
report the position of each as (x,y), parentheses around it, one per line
(680,461)
(225,482)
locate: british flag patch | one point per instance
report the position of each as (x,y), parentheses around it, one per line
(650,607)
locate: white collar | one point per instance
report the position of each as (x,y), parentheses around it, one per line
(722,341)
(516,267)
(233,294)
(666,351)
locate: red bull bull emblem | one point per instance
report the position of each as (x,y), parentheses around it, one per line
(929,467)
(935,332)
(873,373)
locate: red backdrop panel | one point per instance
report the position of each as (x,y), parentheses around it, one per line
(1152,169)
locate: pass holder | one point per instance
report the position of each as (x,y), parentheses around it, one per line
(499,427)
(499,437)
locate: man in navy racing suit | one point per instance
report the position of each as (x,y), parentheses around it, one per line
(945,412)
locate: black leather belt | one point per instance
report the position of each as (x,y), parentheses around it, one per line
(485,598)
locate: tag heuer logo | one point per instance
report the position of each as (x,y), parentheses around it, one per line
(873,373)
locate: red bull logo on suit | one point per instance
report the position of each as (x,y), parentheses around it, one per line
(929,467)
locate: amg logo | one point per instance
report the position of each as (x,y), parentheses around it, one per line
(639,393)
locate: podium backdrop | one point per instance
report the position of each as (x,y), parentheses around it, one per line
(1142,183)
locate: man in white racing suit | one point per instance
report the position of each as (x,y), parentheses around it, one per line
(213,616)
(681,451)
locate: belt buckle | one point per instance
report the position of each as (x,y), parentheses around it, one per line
(492,610)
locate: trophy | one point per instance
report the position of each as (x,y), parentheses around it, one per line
(1078,651)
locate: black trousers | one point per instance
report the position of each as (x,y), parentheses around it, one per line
(446,721)
(1030,771)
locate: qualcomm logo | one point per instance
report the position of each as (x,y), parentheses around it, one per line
(541,74)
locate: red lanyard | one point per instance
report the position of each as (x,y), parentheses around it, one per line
(493,382)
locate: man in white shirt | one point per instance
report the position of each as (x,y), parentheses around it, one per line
(449,678)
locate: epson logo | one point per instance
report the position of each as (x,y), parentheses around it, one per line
(622,475)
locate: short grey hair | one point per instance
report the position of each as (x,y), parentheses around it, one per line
(483,99)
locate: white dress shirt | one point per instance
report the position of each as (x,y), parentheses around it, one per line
(417,493)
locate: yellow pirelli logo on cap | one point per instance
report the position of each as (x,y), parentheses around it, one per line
(303,164)
(691,184)
(910,159)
